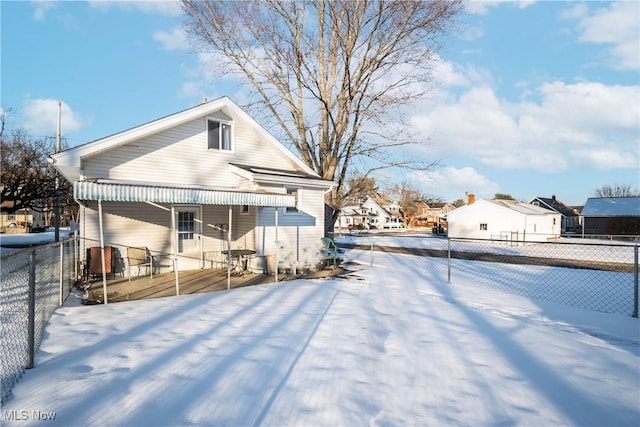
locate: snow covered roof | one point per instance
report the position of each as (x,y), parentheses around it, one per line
(351,210)
(521,207)
(612,206)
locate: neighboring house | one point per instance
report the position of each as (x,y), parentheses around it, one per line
(392,207)
(379,217)
(369,215)
(503,220)
(432,215)
(20,221)
(187,184)
(611,216)
(352,217)
(570,218)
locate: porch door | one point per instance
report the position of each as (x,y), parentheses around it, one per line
(188,230)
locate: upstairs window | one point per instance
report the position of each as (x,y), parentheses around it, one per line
(483,227)
(218,135)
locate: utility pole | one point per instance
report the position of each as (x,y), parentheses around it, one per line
(56,203)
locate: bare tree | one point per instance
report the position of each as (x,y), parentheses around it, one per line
(358,189)
(409,197)
(617,190)
(27,180)
(333,74)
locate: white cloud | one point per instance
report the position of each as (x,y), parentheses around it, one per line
(191,89)
(163,7)
(41,8)
(480,7)
(607,158)
(447,75)
(175,40)
(40,117)
(452,183)
(553,134)
(617,27)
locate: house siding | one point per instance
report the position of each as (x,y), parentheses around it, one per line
(502,223)
(180,156)
(134,224)
(303,230)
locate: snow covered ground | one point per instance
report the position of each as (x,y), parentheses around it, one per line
(391,344)
(565,248)
(16,242)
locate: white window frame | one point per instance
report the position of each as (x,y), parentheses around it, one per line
(197,232)
(244,210)
(221,124)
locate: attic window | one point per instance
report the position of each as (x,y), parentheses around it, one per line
(218,135)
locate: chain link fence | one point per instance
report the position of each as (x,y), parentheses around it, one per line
(35,282)
(594,275)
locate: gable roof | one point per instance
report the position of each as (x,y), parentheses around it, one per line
(555,205)
(520,207)
(510,205)
(68,162)
(612,206)
(351,211)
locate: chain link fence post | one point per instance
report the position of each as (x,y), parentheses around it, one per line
(61,276)
(31,331)
(448,260)
(635,281)
(371,256)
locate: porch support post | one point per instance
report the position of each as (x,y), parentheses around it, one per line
(229,229)
(104,273)
(174,247)
(277,244)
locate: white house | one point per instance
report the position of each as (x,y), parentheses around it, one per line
(503,220)
(190,184)
(355,217)
(370,214)
(379,217)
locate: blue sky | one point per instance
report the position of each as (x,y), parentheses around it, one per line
(533,98)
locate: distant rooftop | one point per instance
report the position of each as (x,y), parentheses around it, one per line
(612,206)
(524,208)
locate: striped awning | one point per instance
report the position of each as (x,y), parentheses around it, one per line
(120,191)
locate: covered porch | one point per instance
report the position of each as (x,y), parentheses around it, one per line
(179,214)
(120,289)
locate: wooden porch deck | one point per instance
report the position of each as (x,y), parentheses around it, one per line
(191,282)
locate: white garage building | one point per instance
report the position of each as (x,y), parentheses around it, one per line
(503,220)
